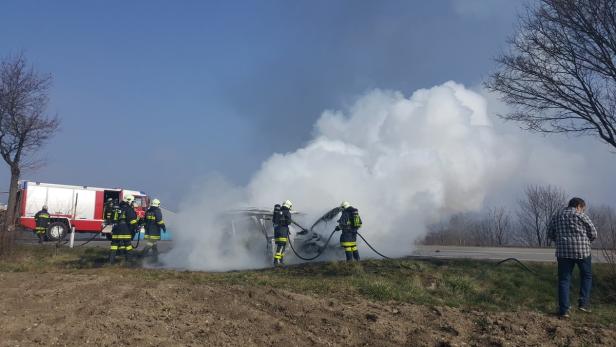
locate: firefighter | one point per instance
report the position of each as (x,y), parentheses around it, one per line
(281,219)
(42,222)
(108,211)
(349,223)
(153,225)
(126,221)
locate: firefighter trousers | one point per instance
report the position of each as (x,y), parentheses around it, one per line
(281,237)
(281,246)
(120,243)
(40,233)
(151,244)
(348,241)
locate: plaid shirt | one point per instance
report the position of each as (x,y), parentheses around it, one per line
(573,232)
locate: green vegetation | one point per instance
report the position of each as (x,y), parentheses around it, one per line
(466,284)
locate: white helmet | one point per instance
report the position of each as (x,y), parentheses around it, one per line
(129,198)
(155,203)
(345,204)
(288,204)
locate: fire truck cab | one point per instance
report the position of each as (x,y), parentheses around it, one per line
(79,207)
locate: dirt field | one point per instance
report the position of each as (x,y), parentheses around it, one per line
(110,307)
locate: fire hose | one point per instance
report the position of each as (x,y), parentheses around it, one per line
(372,248)
(524,267)
(138,233)
(322,249)
(88,241)
(85,243)
(519,263)
(96,234)
(327,243)
(332,213)
(324,219)
(318,253)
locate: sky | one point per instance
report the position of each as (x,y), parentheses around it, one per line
(156,95)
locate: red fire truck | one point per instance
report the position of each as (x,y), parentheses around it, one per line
(80,207)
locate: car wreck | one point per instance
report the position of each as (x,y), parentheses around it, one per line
(253,229)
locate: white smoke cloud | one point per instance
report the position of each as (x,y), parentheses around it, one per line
(402,161)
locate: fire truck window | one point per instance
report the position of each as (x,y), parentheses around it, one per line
(138,202)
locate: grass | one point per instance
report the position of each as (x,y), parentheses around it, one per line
(466,284)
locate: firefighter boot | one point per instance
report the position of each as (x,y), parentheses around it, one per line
(356,255)
(155,252)
(128,257)
(112,257)
(40,237)
(282,249)
(349,256)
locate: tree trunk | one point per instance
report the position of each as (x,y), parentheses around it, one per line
(7,230)
(11,211)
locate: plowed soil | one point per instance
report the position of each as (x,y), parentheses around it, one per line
(102,308)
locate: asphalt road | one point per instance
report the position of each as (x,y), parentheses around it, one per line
(452,252)
(494,253)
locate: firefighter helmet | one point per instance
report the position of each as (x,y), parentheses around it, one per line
(288,204)
(155,203)
(129,198)
(345,204)
(45,207)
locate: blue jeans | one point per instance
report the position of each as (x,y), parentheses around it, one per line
(565,268)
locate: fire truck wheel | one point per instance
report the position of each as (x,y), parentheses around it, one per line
(56,231)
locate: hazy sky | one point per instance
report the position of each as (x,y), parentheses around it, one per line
(155,95)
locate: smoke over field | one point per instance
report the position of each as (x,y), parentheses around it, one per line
(402,161)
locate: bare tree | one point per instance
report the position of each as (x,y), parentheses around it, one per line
(500,226)
(459,229)
(536,209)
(481,232)
(471,229)
(438,234)
(24,126)
(560,73)
(604,219)
(491,228)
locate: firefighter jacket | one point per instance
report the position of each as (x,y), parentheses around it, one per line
(348,237)
(126,220)
(346,221)
(281,229)
(42,221)
(154,222)
(108,213)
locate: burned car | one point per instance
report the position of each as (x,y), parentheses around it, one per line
(252,230)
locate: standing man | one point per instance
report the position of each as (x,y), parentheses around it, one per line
(349,223)
(42,222)
(573,231)
(153,225)
(281,220)
(125,222)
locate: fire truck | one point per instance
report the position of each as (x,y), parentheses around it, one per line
(78,207)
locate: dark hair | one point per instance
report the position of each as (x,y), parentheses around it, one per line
(577,202)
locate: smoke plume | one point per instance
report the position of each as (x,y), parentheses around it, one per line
(402,161)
